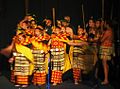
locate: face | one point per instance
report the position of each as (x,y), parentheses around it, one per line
(58,23)
(80,31)
(33,24)
(97,24)
(64,24)
(20,38)
(29,18)
(37,32)
(48,22)
(24,25)
(91,23)
(57,30)
(67,18)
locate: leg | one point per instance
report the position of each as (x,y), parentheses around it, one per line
(105,67)
(76,75)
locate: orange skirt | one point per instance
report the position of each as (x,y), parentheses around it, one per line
(22,80)
(39,78)
(56,76)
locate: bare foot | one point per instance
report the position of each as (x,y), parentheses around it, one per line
(76,83)
(16,85)
(104,82)
(54,84)
(24,85)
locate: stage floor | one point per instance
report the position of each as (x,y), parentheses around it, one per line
(68,84)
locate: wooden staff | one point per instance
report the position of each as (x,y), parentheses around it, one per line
(102,13)
(102,8)
(26,7)
(53,10)
(111,14)
(83,16)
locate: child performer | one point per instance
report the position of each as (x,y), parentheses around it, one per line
(79,43)
(57,56)
(39,51)
(23,60)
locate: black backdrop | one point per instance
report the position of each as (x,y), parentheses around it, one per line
(12,11)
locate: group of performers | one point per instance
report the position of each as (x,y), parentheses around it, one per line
(38,49)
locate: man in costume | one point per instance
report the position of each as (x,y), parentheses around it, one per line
(106,49)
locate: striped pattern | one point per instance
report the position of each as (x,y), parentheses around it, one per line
(56,76)
(22,80)
(39,60)
(78,61)
(39,78)
(57,60)
(83,59)
(76,74)
(39,75)
(22,66)
(105,52)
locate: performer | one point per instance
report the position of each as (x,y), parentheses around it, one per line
(39,51)
(79,44)
(23,60)
(68,19)
(93,37)
(48,26)
(68,30)
(99,30)
(57,56)
(106,49)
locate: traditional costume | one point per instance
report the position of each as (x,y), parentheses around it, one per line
(57,57)
(23,64)
(40,52)
(78,63)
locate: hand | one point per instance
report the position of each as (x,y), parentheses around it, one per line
(11,60)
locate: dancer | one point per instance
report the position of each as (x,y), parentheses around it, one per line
(39,50)
(79,44)
(106,49)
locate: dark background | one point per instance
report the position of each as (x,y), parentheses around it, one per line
(12,11)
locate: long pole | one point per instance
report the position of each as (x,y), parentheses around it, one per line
(26,6)
(102,14)
(102,8)
(53,11)
(111,14)
(83,15)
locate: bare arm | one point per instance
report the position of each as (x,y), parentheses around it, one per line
(77,43)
